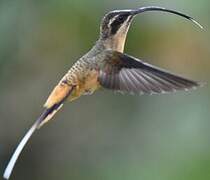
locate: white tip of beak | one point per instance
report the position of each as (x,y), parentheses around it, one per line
(198,24)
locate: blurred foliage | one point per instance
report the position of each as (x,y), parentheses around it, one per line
(106,135)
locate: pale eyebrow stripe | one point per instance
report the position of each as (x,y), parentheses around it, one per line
(112,20)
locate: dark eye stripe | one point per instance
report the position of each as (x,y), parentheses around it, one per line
(117,23)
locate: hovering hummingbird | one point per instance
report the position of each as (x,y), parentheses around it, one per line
(105,65)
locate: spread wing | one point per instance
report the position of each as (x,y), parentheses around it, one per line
(125,73)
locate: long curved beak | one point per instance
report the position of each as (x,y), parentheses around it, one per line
(156,8)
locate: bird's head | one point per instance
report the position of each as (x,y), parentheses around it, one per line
(114,28)
(115,25)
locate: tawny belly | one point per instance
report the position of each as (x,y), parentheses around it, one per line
(86,84)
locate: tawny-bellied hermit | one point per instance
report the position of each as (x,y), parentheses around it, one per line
(105,65)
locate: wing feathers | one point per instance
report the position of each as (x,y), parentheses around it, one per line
(125,73)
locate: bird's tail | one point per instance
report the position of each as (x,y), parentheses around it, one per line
(45,117)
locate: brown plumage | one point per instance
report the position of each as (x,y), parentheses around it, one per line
(105,65)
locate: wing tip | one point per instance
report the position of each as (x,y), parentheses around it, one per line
(201,83)
(195,84)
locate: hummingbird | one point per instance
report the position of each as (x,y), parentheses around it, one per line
(107,66)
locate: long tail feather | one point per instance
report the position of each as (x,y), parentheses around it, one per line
(45,116)
(18,150)
(36,125)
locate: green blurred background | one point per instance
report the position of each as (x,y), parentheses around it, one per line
(106,136)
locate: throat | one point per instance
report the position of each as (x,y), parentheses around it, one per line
(116,43)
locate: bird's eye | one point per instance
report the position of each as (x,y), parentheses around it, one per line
(121,18)
(116,24)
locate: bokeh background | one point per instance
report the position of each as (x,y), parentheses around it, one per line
(106,136)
